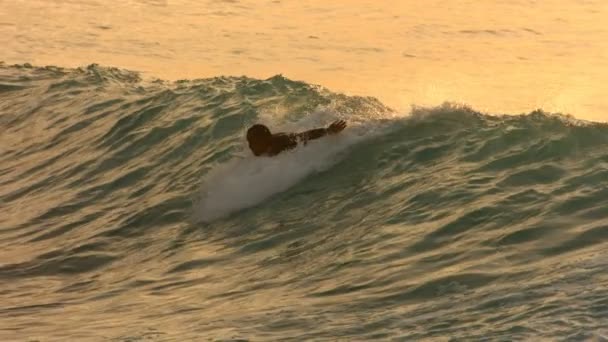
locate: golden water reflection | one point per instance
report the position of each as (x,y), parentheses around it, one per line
(497,56)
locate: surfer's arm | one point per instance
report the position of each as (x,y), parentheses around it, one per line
(317,133)
(312,134)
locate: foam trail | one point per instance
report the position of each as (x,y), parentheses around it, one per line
(247,181)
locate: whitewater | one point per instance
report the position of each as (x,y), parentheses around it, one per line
(131,209)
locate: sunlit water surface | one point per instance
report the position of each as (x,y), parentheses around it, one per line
(498,56)
(131,209)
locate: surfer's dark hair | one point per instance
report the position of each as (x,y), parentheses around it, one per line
(258,131)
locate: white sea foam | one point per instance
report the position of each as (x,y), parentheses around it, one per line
(248,181)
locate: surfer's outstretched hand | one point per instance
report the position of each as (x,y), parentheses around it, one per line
(336,126)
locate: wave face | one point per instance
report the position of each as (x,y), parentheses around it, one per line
(132,210)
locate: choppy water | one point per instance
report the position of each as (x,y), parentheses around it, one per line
(131,210)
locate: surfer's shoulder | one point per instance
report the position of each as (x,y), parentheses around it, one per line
(282,142)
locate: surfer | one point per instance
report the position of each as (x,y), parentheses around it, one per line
(264,143)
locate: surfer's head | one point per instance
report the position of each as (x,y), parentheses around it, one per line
(259,138)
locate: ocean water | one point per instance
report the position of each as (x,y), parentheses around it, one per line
(498,56)
(131,210)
